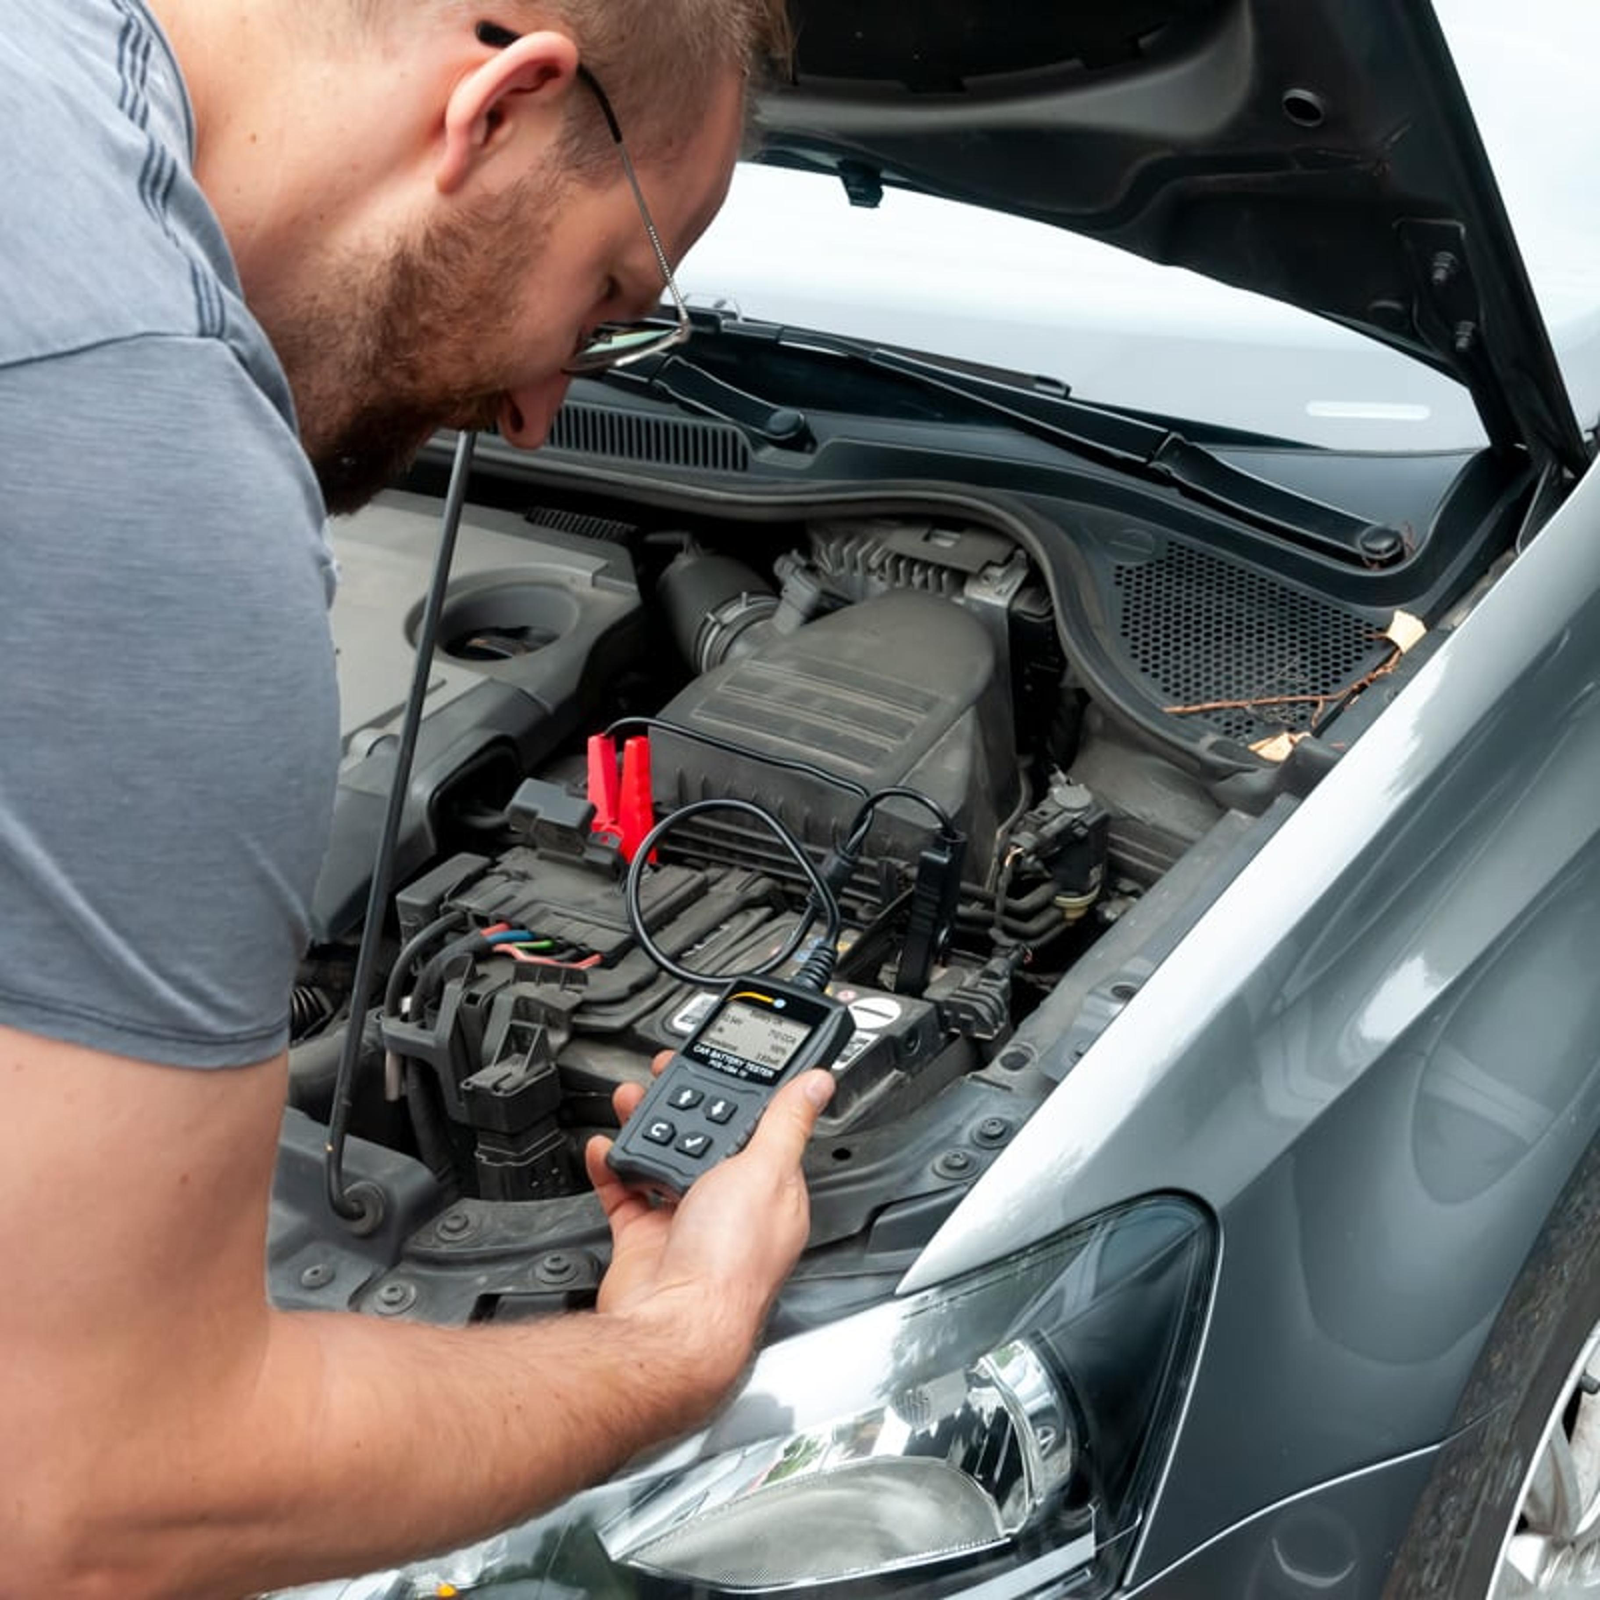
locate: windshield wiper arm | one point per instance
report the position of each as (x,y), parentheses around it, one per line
(1155,453)
(696,389)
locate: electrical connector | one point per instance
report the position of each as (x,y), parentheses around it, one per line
(981,1007)
(934,898)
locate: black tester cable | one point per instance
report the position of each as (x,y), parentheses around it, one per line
(361,1204)
(760,1032)
(818,965)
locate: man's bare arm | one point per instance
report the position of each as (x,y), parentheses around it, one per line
(169,1435)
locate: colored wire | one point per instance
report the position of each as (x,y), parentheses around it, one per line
(585,965)
(501,939)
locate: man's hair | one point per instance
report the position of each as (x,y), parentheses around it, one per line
(658,60)
(661,60)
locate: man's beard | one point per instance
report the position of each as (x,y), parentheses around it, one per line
(378,357)
(379,442)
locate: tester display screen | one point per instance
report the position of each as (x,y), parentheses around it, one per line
(755,1035)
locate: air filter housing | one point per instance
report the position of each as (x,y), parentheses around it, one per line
(903,689)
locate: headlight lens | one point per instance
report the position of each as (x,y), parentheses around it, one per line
(1006,1427)
(943,1469)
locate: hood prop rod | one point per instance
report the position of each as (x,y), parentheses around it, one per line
(361,1205)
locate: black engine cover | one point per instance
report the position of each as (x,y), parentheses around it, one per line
(904,689)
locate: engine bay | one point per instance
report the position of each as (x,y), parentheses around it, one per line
(1024,761)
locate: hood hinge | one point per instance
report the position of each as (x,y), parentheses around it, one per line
(1447,313)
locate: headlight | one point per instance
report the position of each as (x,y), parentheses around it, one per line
(1008,1427)
(944,1469)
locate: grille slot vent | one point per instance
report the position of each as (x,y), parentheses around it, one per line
(1200,629)
(712,843)
(668,441)
(581,524)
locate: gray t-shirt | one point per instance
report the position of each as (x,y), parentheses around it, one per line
(168,709)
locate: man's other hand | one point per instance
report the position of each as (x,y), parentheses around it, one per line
(709,1267)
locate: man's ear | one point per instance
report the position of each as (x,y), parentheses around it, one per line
(537,64)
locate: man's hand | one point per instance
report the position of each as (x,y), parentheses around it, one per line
(175,1437)
(710,1266)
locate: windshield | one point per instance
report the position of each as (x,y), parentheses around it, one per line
(978,285)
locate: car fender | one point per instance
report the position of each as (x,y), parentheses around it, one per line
(1375,1059)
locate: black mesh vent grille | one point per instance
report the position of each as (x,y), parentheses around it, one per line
(581,524)
(669,441)
(1201,629)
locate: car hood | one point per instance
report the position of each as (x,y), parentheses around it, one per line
(1321,153)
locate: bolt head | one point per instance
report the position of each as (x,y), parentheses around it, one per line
(396,1297)
(954,1164)
(317,1276)
(1381,544)
(557,1267)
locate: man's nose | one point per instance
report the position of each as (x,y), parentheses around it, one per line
(526,413)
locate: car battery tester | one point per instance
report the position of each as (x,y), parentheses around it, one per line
(706,1103)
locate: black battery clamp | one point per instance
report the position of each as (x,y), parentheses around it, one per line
(707,1101)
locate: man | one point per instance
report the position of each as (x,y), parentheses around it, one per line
(421,204)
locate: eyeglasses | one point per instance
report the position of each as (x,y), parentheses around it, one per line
(615,344)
